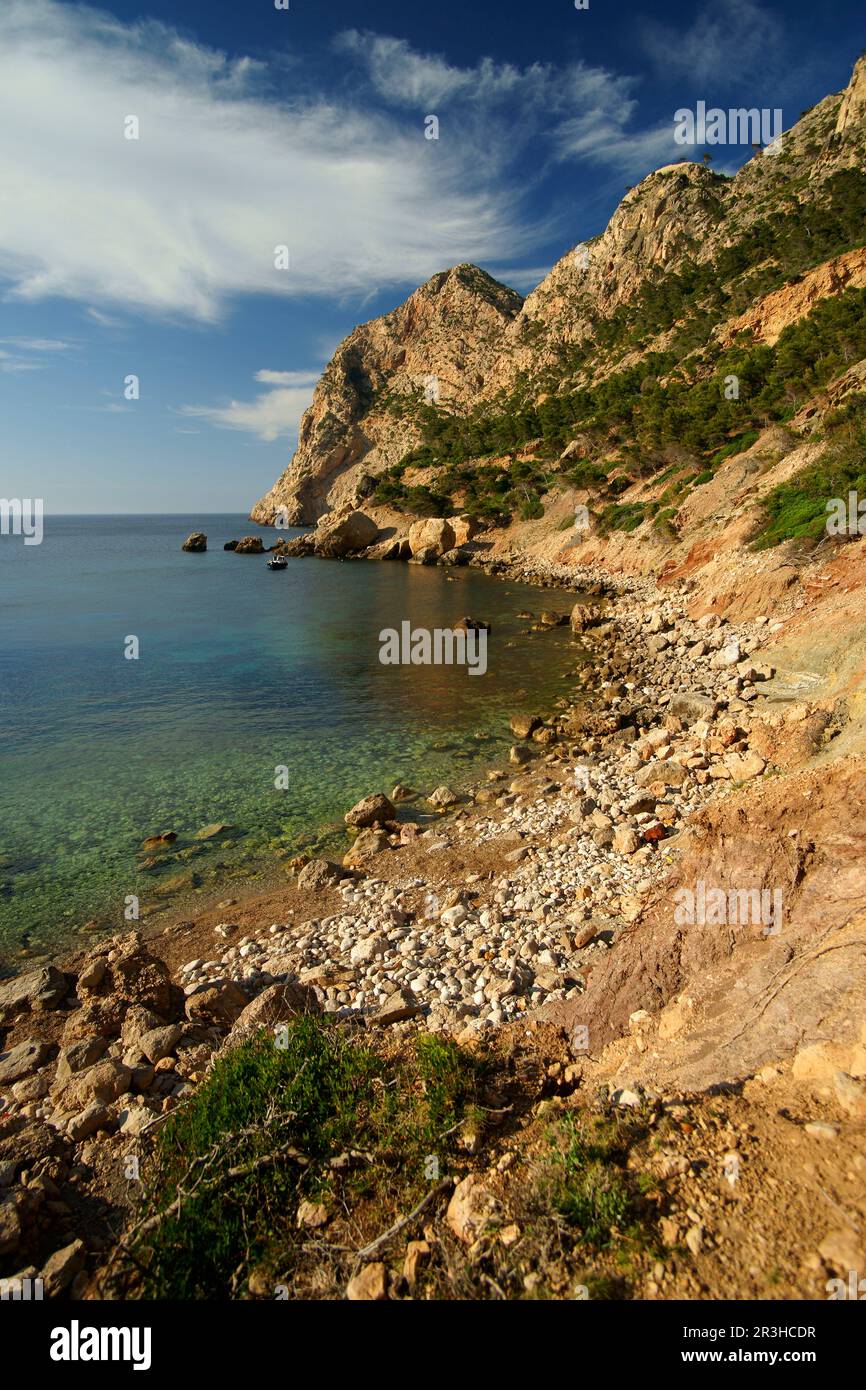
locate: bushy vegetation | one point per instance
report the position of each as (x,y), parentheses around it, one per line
(589,1183)
(643,409)
(797,509)
(261,1134)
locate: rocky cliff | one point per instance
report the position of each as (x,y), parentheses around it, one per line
(463,339)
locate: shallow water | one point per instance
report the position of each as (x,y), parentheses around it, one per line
(240,671)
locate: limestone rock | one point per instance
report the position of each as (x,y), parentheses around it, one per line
(370,1285)
(22,1060)
(34,991)
(471,1209)
(371,810)
(221,1004)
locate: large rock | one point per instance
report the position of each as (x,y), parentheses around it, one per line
(524,725)
(585,616)
(370,1285)
(434,534)
(10,1227)
(33,992)
(131,976)
(471,1209)
(465,529)
(400,1005)
(78,1057)
(102,1083)
(250,545)
(320,874)
(195,543)
(370,811)
(160,1042)
(668,773)
(61,1268)
(22,1060)
(369,843)
(345,535)
(275,1005)
(221,1004)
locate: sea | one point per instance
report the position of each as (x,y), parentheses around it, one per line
(145,690)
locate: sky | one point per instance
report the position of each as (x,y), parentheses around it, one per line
(305,128)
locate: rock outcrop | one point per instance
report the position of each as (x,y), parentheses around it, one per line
(464,338)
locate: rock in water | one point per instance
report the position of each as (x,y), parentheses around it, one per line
(195,543)
(370,810)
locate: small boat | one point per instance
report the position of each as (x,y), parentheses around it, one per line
(278,562)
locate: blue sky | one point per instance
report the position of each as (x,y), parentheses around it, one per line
(304,127)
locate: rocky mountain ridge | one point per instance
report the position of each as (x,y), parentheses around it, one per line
(463,339)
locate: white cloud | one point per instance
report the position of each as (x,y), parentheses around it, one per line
(189,214)
(273,414)
(728,38)
(37,344)
(104,320)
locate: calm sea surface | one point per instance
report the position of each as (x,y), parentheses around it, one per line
(241,671)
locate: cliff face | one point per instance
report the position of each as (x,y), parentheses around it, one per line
(463,338)
(440,345)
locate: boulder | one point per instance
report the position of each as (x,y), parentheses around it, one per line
(370,811)
(22,1060)
(345,535)
(398,1006)
(158,842)
(195,543)
(221,1004)
(667,774)
(524,725)
(744,766)
(102,1083)
(584,616)
(250,545)
(90,1120)
(442,798)
(132,976)
(276,1004)
(471,625)
(10,1227)
(35,991)
(465,529)
(61,1268)
(433,533)
(370,1285)
(210,832)
(471,1209)
(368,843)
(320,874)
(160,1042)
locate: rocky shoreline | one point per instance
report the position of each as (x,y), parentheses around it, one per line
(556,855)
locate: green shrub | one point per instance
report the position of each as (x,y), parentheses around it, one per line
(228,1170)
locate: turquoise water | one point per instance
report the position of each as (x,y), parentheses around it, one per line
(240,671)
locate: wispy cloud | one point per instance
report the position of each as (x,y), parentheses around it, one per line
(726,37)
(189,215)
(38,344)
(229,165)
(273,414)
